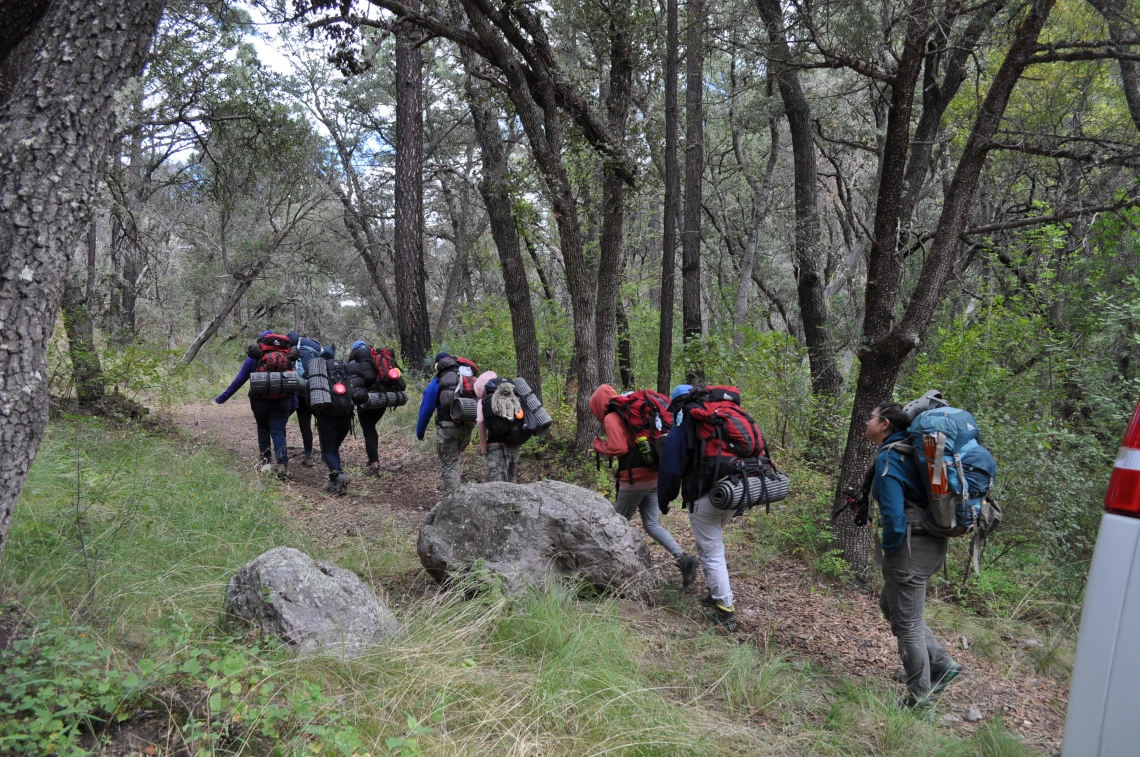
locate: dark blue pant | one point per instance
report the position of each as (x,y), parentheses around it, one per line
(305,422)
(368,421)
(271,417)
(332,431)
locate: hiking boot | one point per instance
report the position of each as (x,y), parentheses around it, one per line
(725,617)
(282,471)
(944,680)
(707,601)
(373,470)
(915,704)
(688,565)
(307,460)
(330,486)
(340,483)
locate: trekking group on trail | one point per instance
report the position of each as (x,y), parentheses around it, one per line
(931,476)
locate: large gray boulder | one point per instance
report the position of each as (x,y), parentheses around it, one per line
(528,532)
(310,604)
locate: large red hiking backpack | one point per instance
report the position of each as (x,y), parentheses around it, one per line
(646,415)
(388,372)
(721,437)
(272,355)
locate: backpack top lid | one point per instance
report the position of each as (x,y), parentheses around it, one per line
(643,410)
(274,341)
(929,401)
(959,426)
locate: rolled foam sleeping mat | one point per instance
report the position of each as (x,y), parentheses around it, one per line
(522,388)
(397,399)
(541,419)
(728,493)
(291,382)
(464,409)
(532,401)
(258,384)
(275,383)
(319,399)
(319,384)
(317,367)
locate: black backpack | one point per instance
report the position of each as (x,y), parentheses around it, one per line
(510,431)
(340,390)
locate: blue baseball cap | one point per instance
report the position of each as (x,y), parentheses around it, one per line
(679,390)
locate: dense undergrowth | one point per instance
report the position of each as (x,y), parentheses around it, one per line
(119,552)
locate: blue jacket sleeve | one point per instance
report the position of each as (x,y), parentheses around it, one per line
(427,407)
(671,469)
(889,493)
(241,378)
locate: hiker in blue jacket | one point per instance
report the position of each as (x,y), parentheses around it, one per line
(271,415)
(310,349)
(910,556)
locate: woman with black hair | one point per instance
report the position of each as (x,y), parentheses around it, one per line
(910,556)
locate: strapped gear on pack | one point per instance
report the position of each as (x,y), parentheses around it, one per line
(273,376)
(388,372)
(456,377)
(729,459)
(645,414)
(369,376)
(504,415)
(329,388)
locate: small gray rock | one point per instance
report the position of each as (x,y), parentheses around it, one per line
(1032,644)
(311,605)
(528,532)
(972,715)
(963,642)
(951,718)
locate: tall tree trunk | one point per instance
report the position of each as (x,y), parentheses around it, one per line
(86,371)
(495,189)
(694,176)
(886,347)
(56,128)
(624,348)
(672,206)
(411,295)
(240,286)
(613,194)
(825,378)
(1115,13)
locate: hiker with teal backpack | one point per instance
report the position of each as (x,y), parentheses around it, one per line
(919,447)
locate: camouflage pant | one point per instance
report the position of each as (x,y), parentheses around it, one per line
(450,441)
(502,462)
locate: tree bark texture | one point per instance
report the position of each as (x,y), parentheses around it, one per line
(694,177)
(544,131)
(56,129)
(884,347)
(1115,13)
(825,377)
(86,371)
(613,194)
(411,296)
(672,206)
(495,189)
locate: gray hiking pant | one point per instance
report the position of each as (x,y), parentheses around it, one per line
(902,601)
(502,462)
(629,502)
(707,523)
(450,441)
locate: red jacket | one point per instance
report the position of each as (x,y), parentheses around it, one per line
(618,440)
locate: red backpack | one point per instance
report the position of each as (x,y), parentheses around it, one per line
(646,414)
(722,438)
(452,383)
(273,357)
(387,369)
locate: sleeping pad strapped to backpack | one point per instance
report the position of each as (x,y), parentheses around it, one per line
(340,391)
(370,371)
(726,448)
(504,415)
(646,416)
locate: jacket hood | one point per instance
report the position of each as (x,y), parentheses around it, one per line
(312,345)
(600,399)
(481,383)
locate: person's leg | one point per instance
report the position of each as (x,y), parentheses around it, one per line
(447,447)
(305,424)
(330,445)
(278,420)
(368,421)
(261,418)
(512,454)
(651,519)
(463,437)
(911,567)
(628,502)
(496,462)
(707,524)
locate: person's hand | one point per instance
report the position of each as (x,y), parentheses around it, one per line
(219,400)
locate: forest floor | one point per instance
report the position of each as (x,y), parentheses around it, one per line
(781,603)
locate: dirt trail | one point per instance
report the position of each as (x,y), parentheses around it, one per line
(836,627)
